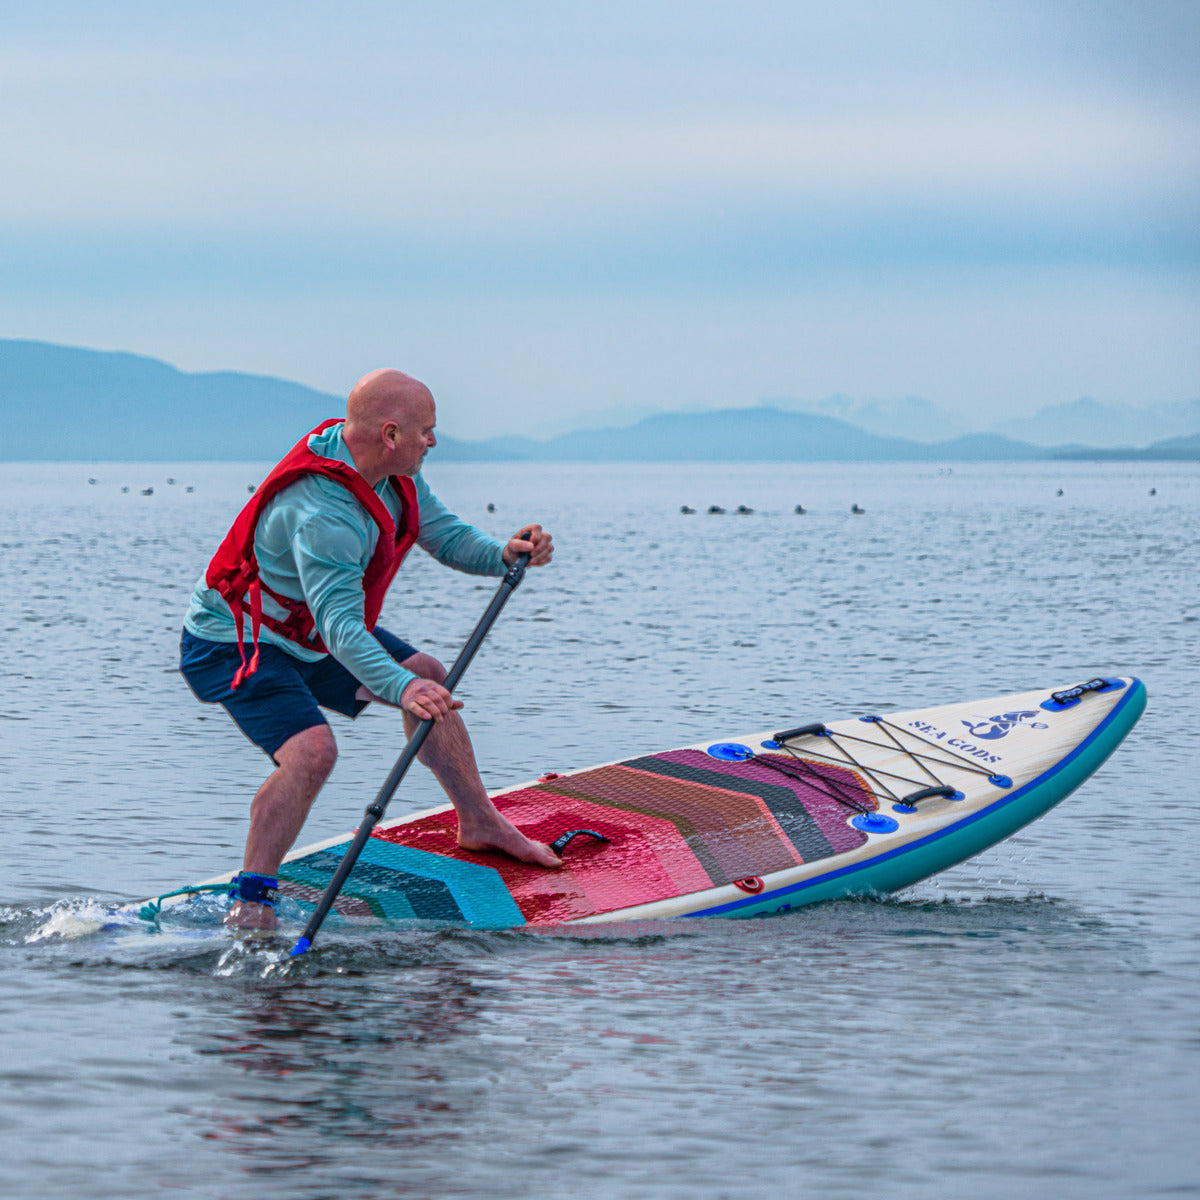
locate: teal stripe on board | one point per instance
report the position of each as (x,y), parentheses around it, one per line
(400,883)
(479,891)
(389,894)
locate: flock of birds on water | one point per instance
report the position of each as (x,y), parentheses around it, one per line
(713,509)
(746,510)
(149,491)
(799,510)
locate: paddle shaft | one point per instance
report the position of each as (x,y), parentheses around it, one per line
(378,806)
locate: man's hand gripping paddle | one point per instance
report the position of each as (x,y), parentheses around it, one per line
(377,807)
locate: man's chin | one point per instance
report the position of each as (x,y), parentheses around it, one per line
(414,470)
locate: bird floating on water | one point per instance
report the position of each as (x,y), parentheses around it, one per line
(856,510)
(715,508)
(800,510)
(686,508)
(744,509)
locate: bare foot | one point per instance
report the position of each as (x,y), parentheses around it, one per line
(245,914)
(494,832)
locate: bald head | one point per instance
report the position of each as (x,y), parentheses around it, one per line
(389,424)
(382,395)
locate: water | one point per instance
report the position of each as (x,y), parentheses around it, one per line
(1024,1024)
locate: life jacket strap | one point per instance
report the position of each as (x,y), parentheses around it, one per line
(299,623)
(239,626)
(248,668)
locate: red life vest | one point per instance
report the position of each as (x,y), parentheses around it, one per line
(233,572)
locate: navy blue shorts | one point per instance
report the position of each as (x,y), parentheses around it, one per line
(285,695)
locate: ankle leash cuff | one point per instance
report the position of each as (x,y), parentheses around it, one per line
(257,889)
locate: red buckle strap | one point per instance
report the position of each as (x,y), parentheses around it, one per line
(299,623)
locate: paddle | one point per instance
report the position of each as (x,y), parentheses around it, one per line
(377,807)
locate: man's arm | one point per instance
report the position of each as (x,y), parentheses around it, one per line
(329,556)
(452,541)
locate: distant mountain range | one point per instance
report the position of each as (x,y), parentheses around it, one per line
(67,403)
(761,434)
(1084,422)
(911,417)
(1106,426)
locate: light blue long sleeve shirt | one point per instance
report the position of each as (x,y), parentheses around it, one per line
(313,543)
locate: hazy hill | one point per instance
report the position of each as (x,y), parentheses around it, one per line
(1181,449)
(59,402)
(982,447)
(910,417)
(1092,423)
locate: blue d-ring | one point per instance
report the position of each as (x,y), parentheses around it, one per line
(730,751)
(875,823)
(1000,781)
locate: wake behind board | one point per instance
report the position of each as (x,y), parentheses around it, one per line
(740,826)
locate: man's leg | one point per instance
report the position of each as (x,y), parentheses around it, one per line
(279,810)
(448,753)
(276,709)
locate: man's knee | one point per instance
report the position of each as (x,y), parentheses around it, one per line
(426,666)
(312,750)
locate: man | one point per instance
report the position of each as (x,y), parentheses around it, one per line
(308,561)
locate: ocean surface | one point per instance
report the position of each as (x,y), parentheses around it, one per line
(1025,1024)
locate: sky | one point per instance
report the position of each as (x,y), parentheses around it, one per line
(557,213)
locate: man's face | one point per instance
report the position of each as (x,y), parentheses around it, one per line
(410,437)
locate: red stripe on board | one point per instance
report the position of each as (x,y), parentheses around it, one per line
(646,860)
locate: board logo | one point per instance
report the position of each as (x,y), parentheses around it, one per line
(989,729)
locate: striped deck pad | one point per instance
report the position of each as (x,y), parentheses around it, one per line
(678,823)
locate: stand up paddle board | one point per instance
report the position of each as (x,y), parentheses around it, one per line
(739,827)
